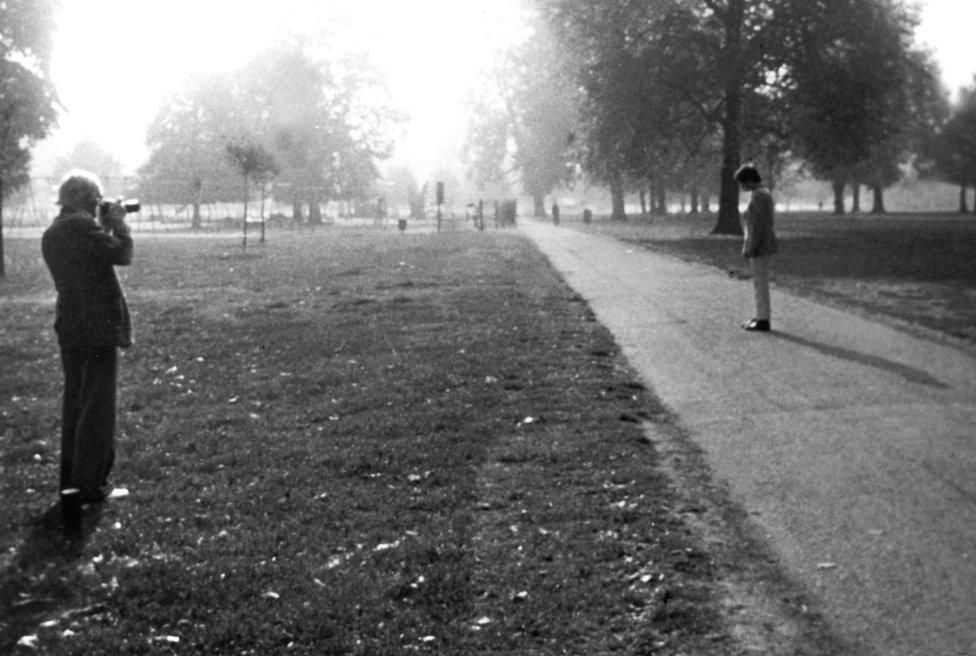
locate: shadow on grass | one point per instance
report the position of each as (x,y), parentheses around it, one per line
(910,374)
(33,585)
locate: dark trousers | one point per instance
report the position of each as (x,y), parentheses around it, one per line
(88,417)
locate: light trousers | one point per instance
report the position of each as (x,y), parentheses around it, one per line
(760,285)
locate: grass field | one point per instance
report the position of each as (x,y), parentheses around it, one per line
(917,269)
(351,442)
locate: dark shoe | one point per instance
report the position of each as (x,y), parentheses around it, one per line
(92,496)
(101,496)
(760,325)
(71,511)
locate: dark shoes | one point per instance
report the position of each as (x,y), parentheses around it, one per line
(74,501)
(757,325)
(96,496)
(101,496)
(92,496)
(71,511)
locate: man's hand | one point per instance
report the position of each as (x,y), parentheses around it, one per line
(116,217)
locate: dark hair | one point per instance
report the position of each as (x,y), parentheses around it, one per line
(747,174)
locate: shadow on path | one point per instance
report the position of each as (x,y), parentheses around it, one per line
(34,585)
(910,374)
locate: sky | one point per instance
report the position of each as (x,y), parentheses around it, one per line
(115,60)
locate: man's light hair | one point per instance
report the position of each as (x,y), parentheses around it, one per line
(78,189)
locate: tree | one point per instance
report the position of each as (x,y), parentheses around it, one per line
(539,104)
(759,50)
(327,119)
(355,175)
(324,121)
(485,150)
(723,62)
(685,59)
(914,110)
(188,138)
(660,80)
(404,189)
(91,156)
(862,98)
(950,154)
(27,98)
(256,165)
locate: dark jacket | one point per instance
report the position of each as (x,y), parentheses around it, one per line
(757,226)
(91,309)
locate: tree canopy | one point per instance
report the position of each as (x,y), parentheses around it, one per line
(188,163)
(91,156)
(323,119)
(535,111)
(673,88)
(950,154)
(27,97)
(861,97)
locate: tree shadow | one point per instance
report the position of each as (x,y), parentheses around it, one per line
(911,374)
(33,585)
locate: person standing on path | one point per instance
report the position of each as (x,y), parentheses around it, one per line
(759,242)
(81,247)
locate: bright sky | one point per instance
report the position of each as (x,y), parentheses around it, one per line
(947,28)
(115,60)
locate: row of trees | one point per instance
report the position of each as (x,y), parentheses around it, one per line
(305,129)
(300,122)
(658,95)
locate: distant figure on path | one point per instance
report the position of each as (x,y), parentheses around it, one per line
(82,245)
(759,242)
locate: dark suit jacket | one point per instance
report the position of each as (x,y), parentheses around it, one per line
(91,309)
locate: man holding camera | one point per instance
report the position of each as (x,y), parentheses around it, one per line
(81,248)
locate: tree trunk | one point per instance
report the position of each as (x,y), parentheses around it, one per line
(838,187)
(728,201)
(963,204)
(855,197)
(662,200)
(539,206)
(878,206)
(195,221)
(244,239)
(314,212)
(297,215)
(693,205)
(262,213)
(617,213)
(643,201)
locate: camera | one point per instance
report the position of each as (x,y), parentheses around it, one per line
(131,205)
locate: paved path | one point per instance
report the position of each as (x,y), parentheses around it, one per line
(849,441)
